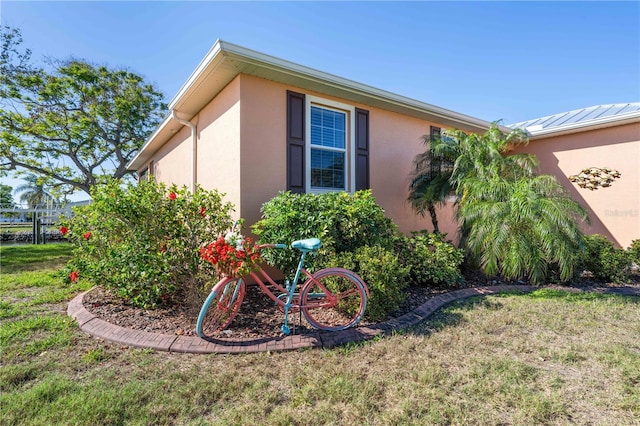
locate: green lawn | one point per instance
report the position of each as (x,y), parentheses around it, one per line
(12,228)
(549,357)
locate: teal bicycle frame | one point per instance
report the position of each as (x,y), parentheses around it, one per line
(227,304)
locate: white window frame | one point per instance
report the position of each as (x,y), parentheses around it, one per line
(350,136)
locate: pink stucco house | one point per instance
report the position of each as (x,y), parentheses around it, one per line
(251,125)
(598,136)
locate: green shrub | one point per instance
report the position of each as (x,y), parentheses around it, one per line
(604,261)
(432,260)
(142,241)
(355,234)
(385,276)
(634,251)
(342,221)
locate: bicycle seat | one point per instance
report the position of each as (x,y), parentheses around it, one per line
(310,244)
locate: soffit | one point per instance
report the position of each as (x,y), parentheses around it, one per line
(225,61)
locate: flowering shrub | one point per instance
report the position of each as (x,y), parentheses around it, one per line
(143,241)
(232,255)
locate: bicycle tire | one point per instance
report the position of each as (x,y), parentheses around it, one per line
(334,299)
(221,306)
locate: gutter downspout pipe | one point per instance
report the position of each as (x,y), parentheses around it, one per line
(194,148)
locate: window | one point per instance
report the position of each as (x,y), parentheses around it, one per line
(328,149)
(327,145)
(146,173)
(440,166)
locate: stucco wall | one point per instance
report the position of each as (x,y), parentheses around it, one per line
(170,160)
(263,144)
(614,211)
(242,152)
(218,148)
(219,144)
(394,142)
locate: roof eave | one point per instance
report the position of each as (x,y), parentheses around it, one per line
(151,146)
(225,61)
(611,121)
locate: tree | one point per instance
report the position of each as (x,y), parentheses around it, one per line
(34,192)
(6,199)
(74,125)
(513,222)
(441,169)
(429,182)
(521,228)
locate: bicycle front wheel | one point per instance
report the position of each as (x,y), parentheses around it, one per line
(334,299)
(221,306)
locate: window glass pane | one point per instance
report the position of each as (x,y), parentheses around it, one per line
(316,117)
(327,169)
(328,128)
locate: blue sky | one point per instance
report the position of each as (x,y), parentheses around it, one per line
(493,60)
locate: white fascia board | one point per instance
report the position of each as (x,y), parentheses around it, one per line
(202,66)
(238,56)
(261,59)
(143,155)
(614,120)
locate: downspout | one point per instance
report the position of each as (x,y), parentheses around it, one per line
(194,148)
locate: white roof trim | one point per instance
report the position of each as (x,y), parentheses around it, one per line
(537,132)
(228,60)
(209,57)
(141,156)
(331,79)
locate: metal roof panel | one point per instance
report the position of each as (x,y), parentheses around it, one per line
(579,118)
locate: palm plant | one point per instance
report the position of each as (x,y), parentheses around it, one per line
(429,183)
(33,192)
(452,156)
(521,228)
(511,221)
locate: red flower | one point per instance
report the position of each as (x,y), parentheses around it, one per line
(87,235)
(74,276)
(163,248)
(172,195)
(202,211)
(229,260)
(64,230)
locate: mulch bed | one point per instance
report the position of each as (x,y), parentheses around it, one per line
(258,316)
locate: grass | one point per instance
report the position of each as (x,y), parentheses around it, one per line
(16,227)
(550,357)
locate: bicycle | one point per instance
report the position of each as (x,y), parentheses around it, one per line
(331,299)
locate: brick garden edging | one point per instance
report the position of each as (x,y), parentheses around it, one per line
(96,327)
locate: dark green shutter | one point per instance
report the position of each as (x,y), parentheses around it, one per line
(362,149)
(295,142)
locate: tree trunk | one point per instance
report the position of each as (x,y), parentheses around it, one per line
(434,219)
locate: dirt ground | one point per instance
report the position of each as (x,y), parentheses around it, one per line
(258,315)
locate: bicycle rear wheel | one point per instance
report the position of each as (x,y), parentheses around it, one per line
(221,306)
(334,299)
